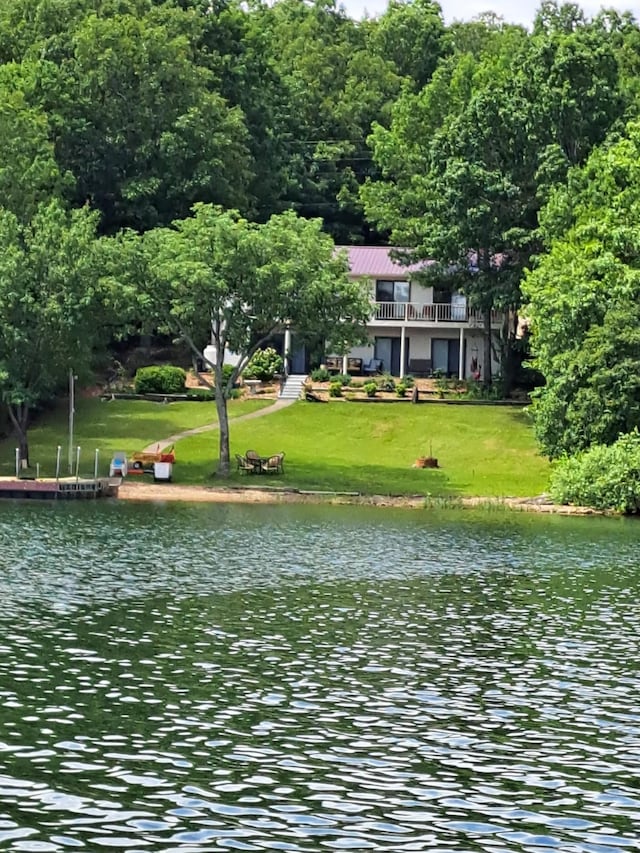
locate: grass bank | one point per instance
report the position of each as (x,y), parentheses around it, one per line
(127,425)
(482,451)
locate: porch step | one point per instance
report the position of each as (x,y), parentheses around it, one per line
(292,388)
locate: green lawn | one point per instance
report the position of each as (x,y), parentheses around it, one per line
(370,448)
(127,425)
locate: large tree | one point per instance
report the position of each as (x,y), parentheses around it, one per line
(583,304)
(51,314)
(468,161)
(217,278)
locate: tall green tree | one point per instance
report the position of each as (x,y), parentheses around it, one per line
(468,161)
(449,190)
(583,304)
(217,278)
(51,309)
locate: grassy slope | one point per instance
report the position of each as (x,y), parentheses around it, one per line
(483,451)
(127,425)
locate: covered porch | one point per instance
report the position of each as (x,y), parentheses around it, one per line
(456,353)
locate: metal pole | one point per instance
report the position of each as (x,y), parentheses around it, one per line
(72,411)
(95,465)
(77,461)
(59,451)
(37,470)
(17,462)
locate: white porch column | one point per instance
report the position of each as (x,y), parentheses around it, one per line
(344,365)
(461,359)
(403,349)
(287,350)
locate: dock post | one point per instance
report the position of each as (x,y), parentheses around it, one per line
(58,463)
(17,462)
(95,465)
(77,461)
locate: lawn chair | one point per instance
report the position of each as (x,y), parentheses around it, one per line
(245,465)
(274,464)
(254,459)
(373,366)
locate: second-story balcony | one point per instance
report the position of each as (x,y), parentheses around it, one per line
(431,313)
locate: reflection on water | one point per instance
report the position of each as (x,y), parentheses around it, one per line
(301,679)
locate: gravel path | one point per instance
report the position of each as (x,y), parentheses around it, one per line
(159,446)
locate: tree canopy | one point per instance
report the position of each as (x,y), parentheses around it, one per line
(584,298)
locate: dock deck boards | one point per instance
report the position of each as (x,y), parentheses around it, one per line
(63,488)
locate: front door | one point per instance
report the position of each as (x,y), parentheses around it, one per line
(388,349)
(445,356)
(298,361)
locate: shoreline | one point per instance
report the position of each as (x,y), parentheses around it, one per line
(171,492)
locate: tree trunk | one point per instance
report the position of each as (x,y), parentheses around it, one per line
(224,461)
(19,416)
(513,352)
(487,349)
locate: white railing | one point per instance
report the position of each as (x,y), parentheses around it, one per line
(431,312)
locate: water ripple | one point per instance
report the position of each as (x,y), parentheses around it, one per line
(299,679)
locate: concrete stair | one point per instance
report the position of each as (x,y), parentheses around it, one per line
(292,388)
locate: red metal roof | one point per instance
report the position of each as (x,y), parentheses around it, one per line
(376,262)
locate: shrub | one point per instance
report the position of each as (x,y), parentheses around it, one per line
(159,379)
(475,390)
(335,389)
(603,477)
(203,394)
(387,383)
(370,389)
(264,365)
(320,374)
(401,389)
(227,370)
(343,378)
(442,383)
(409,381)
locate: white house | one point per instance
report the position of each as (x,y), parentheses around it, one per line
(415,328)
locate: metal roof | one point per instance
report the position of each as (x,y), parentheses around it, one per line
(376,261)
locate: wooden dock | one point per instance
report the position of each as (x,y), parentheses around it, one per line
(65,488)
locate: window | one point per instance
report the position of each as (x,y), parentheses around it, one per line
(392,291)
(441,296)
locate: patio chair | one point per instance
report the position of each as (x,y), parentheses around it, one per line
(274,464)
(244,464)
(373,366)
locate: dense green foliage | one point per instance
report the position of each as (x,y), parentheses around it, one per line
(159,379)
(584,301)
(603,477)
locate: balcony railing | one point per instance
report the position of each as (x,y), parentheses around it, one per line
(431,312)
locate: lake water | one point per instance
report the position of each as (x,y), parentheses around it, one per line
(182,679)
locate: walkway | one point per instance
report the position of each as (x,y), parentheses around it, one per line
(158,446)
